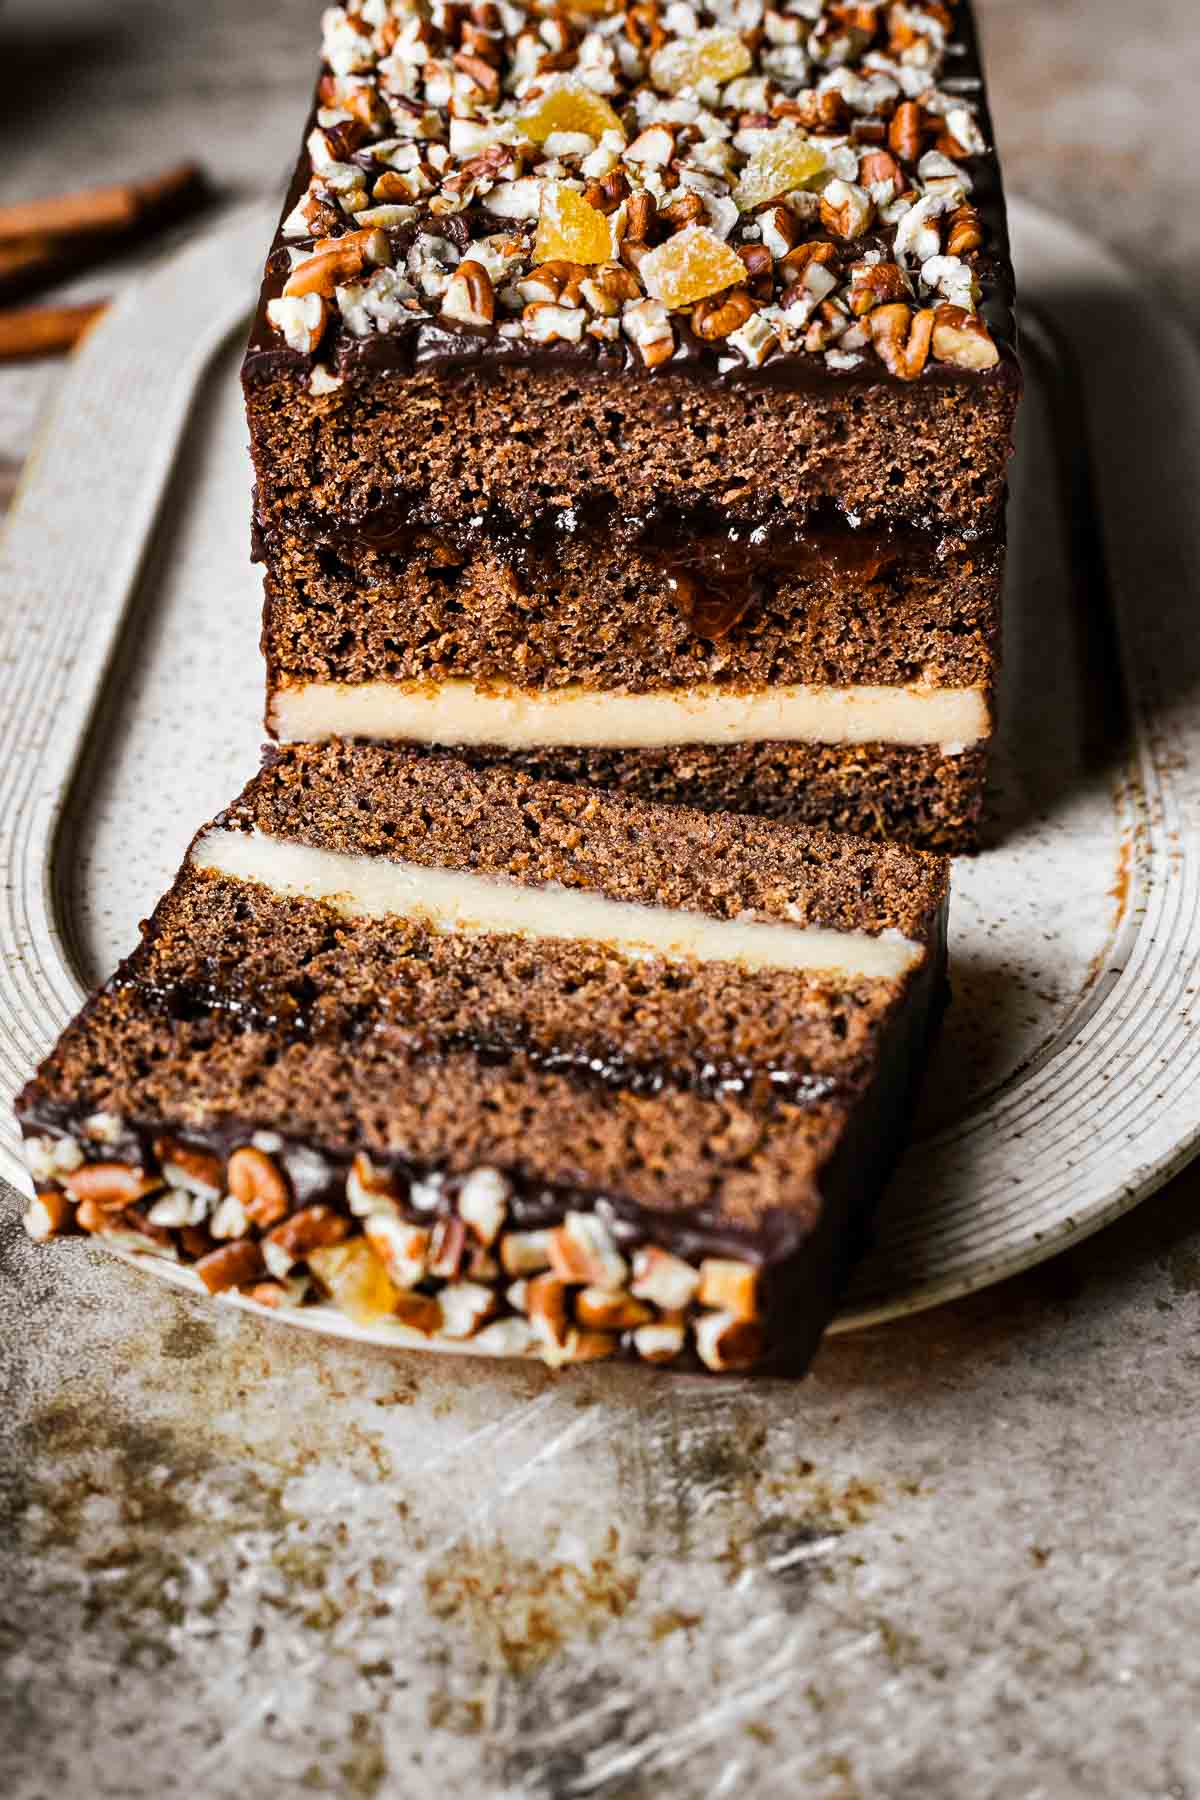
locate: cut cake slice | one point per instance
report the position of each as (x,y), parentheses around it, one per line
(503,1065)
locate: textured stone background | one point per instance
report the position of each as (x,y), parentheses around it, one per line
(960,1563)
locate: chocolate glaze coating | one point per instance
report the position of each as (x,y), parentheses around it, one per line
(431,346)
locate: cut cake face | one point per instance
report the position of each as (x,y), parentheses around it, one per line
(503,1065)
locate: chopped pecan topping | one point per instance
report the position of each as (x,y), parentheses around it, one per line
(259,1185)
(902,338)
(312,1228)
(469,298)
(717,317)
(48,1214)
(876,284)
(729,1286)
(110,1186)
(964,232)
(905,132)
(962,339)
(232,1266)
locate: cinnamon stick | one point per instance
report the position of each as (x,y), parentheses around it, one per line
(24,256)
(45,330)
(103,209)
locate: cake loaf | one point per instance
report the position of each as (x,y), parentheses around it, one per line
(503,1065)
(630,396)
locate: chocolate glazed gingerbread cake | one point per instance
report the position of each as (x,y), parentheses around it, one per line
(630,396)
(504,1065)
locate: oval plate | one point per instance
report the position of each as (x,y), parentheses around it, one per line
(1063,1089)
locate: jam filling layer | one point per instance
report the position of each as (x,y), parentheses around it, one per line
(715,566)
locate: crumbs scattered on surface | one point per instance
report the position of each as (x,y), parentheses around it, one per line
(521,1611)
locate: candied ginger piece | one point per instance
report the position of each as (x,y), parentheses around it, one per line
(356,1280)
(785,162)
(689,267)
(569,107)
(569,230)
(712,55)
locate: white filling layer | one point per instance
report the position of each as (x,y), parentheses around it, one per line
(452,900)
(458,712)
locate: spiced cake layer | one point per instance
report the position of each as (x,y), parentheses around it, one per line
(683,298)
(618,665)
(503,1065)
(633,618)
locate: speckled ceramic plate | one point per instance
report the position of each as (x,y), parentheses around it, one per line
(1064,1088)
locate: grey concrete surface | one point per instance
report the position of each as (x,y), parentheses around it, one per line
(961,1562)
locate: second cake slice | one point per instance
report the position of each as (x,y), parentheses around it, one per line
(503,1064)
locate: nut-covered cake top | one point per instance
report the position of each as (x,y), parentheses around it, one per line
(798,190)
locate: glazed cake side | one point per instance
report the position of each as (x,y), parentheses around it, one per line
(410,420)
(635,1090)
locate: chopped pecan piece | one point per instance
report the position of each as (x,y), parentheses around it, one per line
(312,1228)
(878,166)
(876,284)
(906,130)
(757,258)
(321,274)
(902,338)
(583,1346)
(546,1307)
(659,1343)
(607,195)
(465,1305)
(447,1248)
(111,1186)
(722,313)
(794,264)
(273,1294)
(420,1311)
(964,233)
(723,1341)
(665,1280)
(583,1253)
(47,1214)
(301,318)
(403,1249)
(485,77)
(607,287)
(962,339)
(846,209)
(653,148)
(200,1171)
(260,1186)
(816,111)
(469,298)
(483,1203)
(644,27)
(525,1252)
(233,1265)
(602,1309)
(640,218)
(779,226)
(371,1190)
(729,1286)
(556,282)
(687,211)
